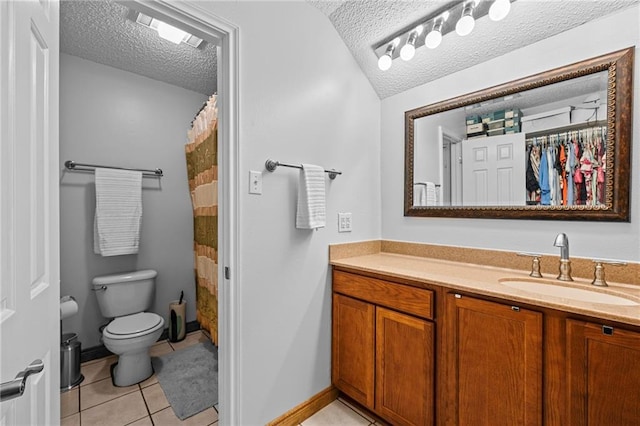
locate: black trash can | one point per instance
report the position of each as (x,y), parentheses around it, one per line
(70,362)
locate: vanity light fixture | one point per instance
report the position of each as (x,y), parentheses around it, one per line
(434,38)
(429,31)
(467,21)
(409,49)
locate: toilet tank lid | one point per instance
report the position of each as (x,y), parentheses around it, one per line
(125,277)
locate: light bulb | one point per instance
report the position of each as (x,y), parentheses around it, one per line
(171,33)
(384,63)
(499,9)
(434,38)
(465,24)
(407,52)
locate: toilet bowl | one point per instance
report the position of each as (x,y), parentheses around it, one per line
(125,298)
(130,337)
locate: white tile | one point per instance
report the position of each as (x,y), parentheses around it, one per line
(336,413)
(120,411)
(73,420)
(102,391)
(155,398)
(97,369)
(166,417)
(142,422)
(161,348)
(70,402)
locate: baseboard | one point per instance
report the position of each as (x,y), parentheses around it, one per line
(97,352)
(307,409)
(94,352)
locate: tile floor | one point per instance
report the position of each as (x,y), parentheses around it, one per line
(97,402)
(344,413)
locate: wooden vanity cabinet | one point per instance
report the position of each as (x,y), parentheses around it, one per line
(498,363)
(494,366)
(404,368)
(383,347)
(353,348)
(603,375)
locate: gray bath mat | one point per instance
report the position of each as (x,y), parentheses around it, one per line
(189,378)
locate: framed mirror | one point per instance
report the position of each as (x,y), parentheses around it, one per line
(554,145)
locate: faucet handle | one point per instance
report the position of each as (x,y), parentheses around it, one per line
(598,273)
(535,263)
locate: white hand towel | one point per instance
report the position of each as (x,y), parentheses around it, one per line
(431,194)
(118,212)
(419,195)
(311,212)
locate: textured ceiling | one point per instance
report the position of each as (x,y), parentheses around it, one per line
(100,32)
(565,93)
(364,24)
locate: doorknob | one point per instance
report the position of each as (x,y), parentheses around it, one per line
(15,387)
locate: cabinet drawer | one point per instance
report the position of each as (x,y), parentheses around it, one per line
(404,298)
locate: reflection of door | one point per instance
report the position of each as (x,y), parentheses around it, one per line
(450,191)
(29,271)
(494,170)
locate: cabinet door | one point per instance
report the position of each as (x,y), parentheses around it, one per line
(353,350)
(404,368)
(603,375)
(497,357)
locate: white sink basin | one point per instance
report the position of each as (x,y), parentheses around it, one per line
(557,290)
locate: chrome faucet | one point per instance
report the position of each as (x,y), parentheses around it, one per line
(562,241)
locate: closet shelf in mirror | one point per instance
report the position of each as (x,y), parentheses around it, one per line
(569,128)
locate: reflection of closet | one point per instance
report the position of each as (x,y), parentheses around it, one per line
(567,166)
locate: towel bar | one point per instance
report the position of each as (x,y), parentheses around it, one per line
(73,166)
(271,166)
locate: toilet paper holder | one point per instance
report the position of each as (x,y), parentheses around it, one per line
(68,307)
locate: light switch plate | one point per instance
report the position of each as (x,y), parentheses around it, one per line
(344,222)
(255,182)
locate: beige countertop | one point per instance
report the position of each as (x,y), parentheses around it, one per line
(486,280)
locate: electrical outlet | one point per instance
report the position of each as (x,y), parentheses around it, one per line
(344,222)
(255,182)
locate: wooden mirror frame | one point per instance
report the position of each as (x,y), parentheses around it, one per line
(619,65)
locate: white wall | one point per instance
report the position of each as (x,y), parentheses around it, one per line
(303,99)
(113,117)
(588,239)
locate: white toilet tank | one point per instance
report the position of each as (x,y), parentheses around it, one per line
(126,293)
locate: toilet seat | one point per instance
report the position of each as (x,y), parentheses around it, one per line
(131,326)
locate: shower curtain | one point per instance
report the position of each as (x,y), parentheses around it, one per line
(202,170)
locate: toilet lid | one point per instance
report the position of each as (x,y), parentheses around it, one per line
(135,323)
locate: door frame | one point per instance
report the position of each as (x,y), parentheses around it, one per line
(226,35)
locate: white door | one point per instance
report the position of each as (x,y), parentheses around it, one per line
(494,171)
(450,191)
(29,235)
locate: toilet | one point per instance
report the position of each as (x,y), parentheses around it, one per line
(124,299)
